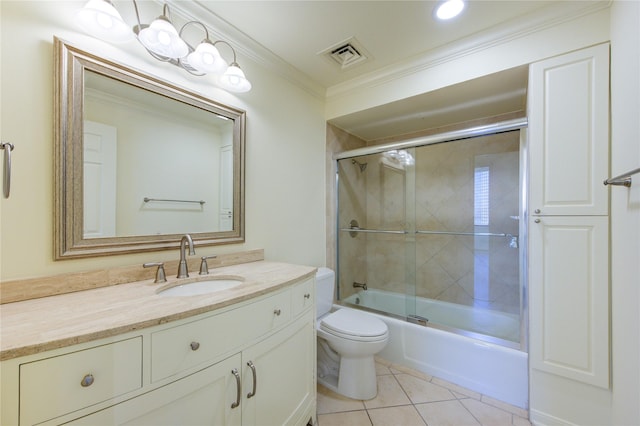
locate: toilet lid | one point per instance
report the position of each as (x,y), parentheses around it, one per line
(353,323)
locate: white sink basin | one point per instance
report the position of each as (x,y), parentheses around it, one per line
(200,287)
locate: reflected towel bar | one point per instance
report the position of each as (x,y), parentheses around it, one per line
(6,185)
(622,180)
(147,199)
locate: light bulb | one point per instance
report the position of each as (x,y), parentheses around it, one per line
(207,59)
(162,39)
(234,80)
(449,9)
(101,19)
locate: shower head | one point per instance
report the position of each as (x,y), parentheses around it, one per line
(363,166)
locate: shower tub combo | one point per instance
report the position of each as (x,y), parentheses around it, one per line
(430,240)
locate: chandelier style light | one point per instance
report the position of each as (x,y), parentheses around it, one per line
(160,38)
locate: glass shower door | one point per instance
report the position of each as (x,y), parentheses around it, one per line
(467,231)
(375,246)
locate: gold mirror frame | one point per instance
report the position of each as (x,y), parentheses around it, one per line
(69,241)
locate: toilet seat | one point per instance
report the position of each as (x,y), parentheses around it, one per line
(354,325)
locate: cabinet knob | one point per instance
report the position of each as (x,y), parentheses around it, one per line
(277,312)
(194,346)
(87,381)
(537,221)
(307,296)
(537,211)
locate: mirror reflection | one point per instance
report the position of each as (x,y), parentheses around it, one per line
(140,162)
(152,165)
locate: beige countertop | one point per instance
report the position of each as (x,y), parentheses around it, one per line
(32,326)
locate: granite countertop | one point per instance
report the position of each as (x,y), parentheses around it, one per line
(32,326)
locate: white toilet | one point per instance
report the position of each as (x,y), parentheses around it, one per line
(347,341)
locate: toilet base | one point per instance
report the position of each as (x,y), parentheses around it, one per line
(356,378)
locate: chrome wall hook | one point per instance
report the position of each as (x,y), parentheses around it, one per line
(6,185)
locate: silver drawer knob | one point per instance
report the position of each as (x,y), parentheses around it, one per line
(537,221)
(537,211)
(87,381)
(277,312)
(195,346)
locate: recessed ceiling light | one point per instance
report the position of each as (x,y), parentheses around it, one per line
(449,9)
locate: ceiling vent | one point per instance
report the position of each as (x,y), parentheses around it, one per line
(346,53)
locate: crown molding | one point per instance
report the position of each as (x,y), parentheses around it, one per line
(549,17)
(245,45)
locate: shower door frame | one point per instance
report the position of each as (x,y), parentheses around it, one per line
(451,136)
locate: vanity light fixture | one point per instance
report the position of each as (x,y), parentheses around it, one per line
(449,9)
(161,39)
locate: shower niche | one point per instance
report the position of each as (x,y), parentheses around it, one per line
(433,229)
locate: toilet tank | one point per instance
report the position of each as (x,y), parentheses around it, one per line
(325,284)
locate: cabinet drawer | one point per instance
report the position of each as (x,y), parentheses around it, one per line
(52,387)
(176,349)
(303,296)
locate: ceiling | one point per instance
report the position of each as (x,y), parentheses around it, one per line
(295,33)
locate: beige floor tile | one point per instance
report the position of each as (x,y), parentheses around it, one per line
(389,394)
(349,418)
(399,369)
(331,402)
(486,414)
(504,406)
(422,391)
(519,421)
(382,361)
(446,413)
(456,388)
(405,415)
(382,369)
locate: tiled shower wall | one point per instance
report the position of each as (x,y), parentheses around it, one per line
(435,195)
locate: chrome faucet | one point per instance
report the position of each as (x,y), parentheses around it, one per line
(361,285)
(183,271)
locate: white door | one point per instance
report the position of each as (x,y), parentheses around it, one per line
(570,292)
(569,128)
(99,177)
(226,188)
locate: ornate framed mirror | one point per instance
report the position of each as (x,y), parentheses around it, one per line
(139,162)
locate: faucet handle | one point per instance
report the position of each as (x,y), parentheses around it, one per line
(204,267)
(160,275)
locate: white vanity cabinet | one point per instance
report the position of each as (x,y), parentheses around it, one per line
(247,364)
(202,398)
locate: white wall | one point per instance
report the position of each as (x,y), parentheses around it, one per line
(285,207)
(625,212)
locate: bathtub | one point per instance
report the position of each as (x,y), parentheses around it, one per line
(499,325)
(488,368)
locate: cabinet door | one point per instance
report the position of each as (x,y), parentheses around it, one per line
(203,398)
(569,133)
(569,297)
(284,379)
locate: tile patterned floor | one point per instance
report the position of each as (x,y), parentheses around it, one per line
(410,398)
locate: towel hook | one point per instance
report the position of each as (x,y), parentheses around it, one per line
(6,186)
